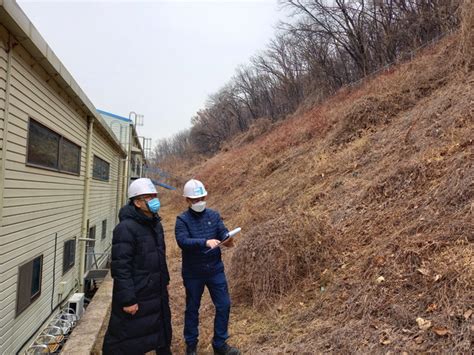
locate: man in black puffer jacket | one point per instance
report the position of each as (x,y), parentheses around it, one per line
(140,320)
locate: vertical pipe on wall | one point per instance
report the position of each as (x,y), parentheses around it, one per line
(85,208)
(118,201)
(54,270)
(3,152)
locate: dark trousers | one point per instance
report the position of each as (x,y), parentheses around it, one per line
(217,286)
(163,351)
(159,351)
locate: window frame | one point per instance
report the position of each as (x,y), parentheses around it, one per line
(70,265)
(58,153)
(32,297)
(104,230)
(103,161)
(92,234)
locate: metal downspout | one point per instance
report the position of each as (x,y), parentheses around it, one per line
(10,46)
(85,208)
(118,199)
(127,172)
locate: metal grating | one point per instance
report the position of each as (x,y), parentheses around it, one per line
(96,274)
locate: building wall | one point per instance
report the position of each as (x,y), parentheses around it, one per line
(105,196)
(3,79)
(41,208)
(120,128)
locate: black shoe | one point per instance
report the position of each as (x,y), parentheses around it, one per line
(191,350)
(226,350)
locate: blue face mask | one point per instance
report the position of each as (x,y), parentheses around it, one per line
(154,205)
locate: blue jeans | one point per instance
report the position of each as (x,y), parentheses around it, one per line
(217,286)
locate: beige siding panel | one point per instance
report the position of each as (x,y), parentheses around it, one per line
(18,171)
(103,198)
(22,184)
(36,79)
(119,127)
(14,193)
(31,92)
(14,233)
(12,271)
(22,103)
(16,133)
(64,233)
(52,208)
(3,78)
(29,224)
(15,147)
(74,199)
(17,138)
(16,330)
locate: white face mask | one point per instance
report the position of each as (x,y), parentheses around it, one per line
(199,206)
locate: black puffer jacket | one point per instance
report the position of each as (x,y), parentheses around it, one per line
(140,276)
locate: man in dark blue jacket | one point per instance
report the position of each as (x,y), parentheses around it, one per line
(199,231)
(140,320)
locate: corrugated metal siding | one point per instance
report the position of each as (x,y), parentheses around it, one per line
(120,128)
(3,79)
(104,194)
(3,76)
(38,204)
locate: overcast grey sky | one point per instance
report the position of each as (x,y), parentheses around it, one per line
(158,58)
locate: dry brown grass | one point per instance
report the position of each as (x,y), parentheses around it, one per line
(467,34)
(376,182)
(271,264)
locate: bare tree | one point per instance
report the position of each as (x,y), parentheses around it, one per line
(328,43)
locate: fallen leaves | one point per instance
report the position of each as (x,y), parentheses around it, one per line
(419,339)
(441,331)
(423,324)
(380,279)
(467,314)
(423,271)
(426,272)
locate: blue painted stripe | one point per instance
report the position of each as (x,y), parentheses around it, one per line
(157,171)
(163,185)
(114,115)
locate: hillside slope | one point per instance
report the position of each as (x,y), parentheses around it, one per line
(357,217)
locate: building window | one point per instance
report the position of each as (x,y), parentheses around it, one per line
(29,283)
(69,255)
(91,236)
(104,229)
(49,150)
(101,169)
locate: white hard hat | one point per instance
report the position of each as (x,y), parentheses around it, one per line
(142,186)
(194,189)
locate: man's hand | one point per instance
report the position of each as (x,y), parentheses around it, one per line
(131,309)
(212,243)
(229,242)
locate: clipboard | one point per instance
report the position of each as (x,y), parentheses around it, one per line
(227,237)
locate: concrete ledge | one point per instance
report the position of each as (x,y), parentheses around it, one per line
(87,337)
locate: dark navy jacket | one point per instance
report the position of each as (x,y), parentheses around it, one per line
(140,276)
(192,230)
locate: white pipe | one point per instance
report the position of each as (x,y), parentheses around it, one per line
(5,122)
(85,208)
